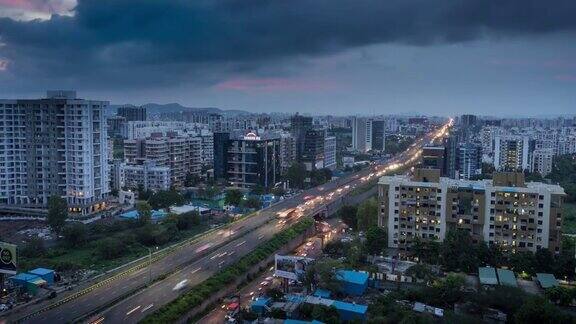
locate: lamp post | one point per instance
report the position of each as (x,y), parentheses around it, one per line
(150,264)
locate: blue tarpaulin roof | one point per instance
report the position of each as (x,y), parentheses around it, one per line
(322,293)
(355,277)
(354,308)
(41,271)
(261,301)
(24,277)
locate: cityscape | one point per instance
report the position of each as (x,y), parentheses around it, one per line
(297,162)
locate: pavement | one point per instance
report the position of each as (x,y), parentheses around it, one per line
(197,261)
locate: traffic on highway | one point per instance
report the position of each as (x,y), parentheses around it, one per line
(133,295)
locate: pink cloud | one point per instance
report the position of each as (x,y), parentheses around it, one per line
(3,65)
(274,85)
(35,8)
(566,77)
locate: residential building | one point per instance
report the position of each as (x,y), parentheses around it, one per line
(147,176)
(183,155)
(330,152)
(55,146)
(542,161)
(506,211)
(116,125)
(132,113)
(469,160)
(249,160)
(512,153)
(362,134)
(207,139)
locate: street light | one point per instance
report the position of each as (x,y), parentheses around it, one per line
(150,264)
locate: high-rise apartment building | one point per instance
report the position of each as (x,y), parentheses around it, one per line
(132,113)
(147,176)
(542,160)
(362,134)
(56,146)
(517,216)
(183,155)
(287,151)
(469,160)
(512,153)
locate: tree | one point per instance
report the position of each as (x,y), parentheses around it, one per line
(258,190)
(278,191)
(252,202)
(185,221)
(191,180)
(348,215)
(539,310)
(144,212)
(323,274)
(233,197)
(320,176)
(57,213)
(34,248)
(421,271)
(376,240)
(296,174)
(110,248)
(367,215)
(560,295)
(165,199)
(75,234)
(458,252)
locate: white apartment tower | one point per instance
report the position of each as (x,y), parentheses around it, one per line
(53,146)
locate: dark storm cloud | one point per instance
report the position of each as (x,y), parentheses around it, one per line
(137,42)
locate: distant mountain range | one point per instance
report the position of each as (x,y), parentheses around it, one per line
(154,108)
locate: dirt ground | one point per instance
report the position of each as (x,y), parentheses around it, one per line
(9,230)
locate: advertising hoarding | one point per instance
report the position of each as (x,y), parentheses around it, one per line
(7,258)
(291,267)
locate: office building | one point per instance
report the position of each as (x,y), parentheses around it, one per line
(116,125)
(56,146)
(468,120)
(330,152)
(512,153)
(247,161)
(517,216)
(361,134)
(132,113)
(379,135)
(313,153)
(299,125)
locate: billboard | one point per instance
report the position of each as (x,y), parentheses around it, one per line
(291,267)
(7,258)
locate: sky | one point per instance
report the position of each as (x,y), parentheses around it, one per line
(340,57)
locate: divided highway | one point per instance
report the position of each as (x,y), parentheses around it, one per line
(128,299)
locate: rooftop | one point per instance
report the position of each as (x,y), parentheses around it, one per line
(351,276)
(41,271)
(546,280)
(487,276)
(507,278)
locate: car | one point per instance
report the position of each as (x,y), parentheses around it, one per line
(3,307)
(181,285)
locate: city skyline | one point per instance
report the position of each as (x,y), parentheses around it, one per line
(370,58)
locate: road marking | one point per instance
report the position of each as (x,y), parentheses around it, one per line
(147,308)
(196,270)
(133,310)
(241,243)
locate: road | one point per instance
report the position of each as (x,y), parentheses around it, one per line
(312,248)
(199,260)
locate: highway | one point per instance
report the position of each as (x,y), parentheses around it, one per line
(195,262)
